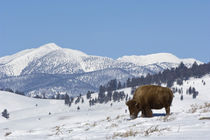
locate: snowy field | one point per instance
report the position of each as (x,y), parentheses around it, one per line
(50,119)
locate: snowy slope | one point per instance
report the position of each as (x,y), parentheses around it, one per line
(72,84)
(102,121)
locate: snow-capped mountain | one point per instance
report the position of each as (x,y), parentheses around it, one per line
(14,65)
(75,72)
(53,59)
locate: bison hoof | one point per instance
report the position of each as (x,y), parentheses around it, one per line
(142,115)
(133,117)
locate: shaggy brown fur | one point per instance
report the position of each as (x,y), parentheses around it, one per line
(150,97)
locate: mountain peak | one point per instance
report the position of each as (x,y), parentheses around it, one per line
(50,46)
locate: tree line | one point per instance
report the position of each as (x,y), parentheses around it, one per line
(170,76)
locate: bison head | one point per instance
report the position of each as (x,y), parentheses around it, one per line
(134,108)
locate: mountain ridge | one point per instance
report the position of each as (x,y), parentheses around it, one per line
(84,72)
(53,59)
(143,60)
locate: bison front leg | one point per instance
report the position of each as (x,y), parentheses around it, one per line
(143,113)
(148,112)
(167,110)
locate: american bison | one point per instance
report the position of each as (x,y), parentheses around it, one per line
(150,97)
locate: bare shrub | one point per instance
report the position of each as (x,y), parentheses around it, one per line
(154,129)
(206,107)
(58,130)
(204,118)
(112,126)
(7,134)
(146,132)
(108,119)
(87,129)
(128,133)
(166,118)
(86,124)
(69,131)
(206,104)
(94,124)
(118,116)
(193,109)
(203,108)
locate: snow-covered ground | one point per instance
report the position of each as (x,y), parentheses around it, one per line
(32,118)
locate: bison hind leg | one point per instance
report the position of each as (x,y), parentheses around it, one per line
(167,110)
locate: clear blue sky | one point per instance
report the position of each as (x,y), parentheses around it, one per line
(110,28)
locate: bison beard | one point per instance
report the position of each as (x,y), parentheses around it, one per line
(150,97)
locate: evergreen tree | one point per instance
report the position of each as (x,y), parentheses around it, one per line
(58,96)
(124,85)
(195,69)
(37,96)
(101,94)
(102,89)
(117,96)
(5,114)
(101,97)
(78,108)
(128,82)
(77,100)
(9,90)
(71,99)
(190,90)
(112,85)
(181,98)
(109,95)
(119,86)
(133,89)
(90,102)
(19,92)
(88,96)
(195,93)
(126,98)
(82,100)
(179,81)
(62,96)
(67,101)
